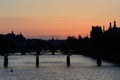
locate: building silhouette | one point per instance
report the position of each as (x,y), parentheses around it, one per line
(96,32)
(113,32)
(105,43)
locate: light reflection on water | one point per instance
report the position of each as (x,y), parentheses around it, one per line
(53,67)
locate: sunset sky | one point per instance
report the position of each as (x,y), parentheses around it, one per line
(56,17)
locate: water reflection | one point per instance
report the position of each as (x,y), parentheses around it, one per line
(53,67)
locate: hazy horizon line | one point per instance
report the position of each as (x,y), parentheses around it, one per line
(47,37)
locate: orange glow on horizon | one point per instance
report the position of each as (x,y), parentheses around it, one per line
(50,26)
(56,17)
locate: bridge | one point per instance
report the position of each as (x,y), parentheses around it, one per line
(38,53)
(10,46)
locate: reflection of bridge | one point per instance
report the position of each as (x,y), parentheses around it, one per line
(37,53)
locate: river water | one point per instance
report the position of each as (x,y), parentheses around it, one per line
(53,67)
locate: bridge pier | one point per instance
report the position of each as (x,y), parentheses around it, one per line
(23,53)
(5,61)
(99,61)
(68,60)
(53,52)
(37,58)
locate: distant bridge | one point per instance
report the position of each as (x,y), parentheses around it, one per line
(38,52)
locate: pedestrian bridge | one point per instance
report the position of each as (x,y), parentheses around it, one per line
(40,53)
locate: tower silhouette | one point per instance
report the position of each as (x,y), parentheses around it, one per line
(114,24)
(110,26)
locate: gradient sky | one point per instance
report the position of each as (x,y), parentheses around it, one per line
(56,17)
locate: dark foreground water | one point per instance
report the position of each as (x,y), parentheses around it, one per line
(53,67)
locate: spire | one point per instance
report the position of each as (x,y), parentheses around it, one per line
(110,26)
(12,32)
(103,28)
(52,38)
(114,23)
(20,33)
